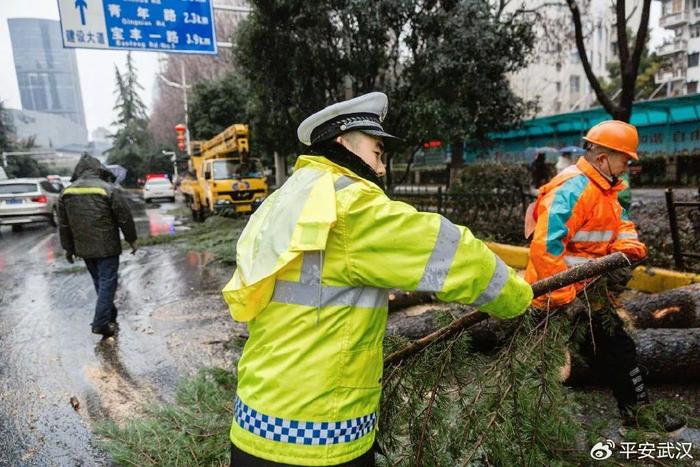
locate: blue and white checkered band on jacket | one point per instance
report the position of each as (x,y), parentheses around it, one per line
(345,123)
(302,432)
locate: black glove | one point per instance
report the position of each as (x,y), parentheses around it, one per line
(69,257)
(618,279)
(133,247)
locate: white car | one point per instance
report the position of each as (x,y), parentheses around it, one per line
(157,188)
(27,200)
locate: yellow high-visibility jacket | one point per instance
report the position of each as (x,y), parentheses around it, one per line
(314,265)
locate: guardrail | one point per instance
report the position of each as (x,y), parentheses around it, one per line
(496,214)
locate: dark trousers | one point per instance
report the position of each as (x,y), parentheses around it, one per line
(608,348)
(243,459)
(104,273)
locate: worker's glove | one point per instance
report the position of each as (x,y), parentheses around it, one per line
(133,247)
(618,278)
(69,257)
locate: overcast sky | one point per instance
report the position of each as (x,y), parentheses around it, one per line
(96,67)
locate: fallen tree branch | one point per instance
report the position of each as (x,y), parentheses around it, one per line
(571,276)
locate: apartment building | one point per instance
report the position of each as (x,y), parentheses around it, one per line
(555,78)
(682,50)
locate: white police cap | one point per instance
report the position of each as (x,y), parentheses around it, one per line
(363,113)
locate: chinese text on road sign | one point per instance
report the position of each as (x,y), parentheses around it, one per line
(159,25)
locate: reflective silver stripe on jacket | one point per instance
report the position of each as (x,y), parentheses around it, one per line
(496,284)
(310,292)
(628,235)
(575,260)
(441,258)
(343,182)
(592,236)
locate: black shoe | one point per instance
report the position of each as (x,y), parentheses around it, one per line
(106,331)
(646,418)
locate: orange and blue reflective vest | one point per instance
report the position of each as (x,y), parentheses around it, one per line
(313,268)
(578,218)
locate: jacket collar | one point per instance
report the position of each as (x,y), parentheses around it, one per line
(596,177)
(323,163)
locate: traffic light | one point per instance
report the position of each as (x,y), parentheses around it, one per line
(180,129)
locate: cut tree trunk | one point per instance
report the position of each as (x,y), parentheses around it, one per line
(485,335)
(676,308)
(400,299)
(668,355)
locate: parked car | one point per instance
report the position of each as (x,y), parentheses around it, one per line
(156,188)
(28,200)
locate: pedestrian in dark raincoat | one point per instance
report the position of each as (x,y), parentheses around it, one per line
(91,212)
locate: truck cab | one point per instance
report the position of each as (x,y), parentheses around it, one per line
(222,176)
(234,184)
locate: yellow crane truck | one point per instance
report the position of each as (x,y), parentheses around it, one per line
(223,177)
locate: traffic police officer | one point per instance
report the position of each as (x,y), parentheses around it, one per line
(314,265)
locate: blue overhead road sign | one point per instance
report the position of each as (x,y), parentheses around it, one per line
(185,26)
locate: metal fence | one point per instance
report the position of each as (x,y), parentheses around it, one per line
(678,250)
(497,214)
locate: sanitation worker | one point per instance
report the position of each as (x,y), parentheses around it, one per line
(314,266)
(578,217)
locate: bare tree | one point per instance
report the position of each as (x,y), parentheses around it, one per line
(629,60)
(168,108)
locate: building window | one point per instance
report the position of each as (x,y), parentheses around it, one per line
(693,59)
(692,87)
(695,29)
(677,6)
(574,84)
(558,85)
(696,3)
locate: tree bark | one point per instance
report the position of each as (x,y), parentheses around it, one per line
(676,308)
(668,355)
(400,299)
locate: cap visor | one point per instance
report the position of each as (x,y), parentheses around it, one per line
(380,134)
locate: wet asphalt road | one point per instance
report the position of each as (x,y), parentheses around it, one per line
(48,354)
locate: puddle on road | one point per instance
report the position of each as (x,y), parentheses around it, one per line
(169,309)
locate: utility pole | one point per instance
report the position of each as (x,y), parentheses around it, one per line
(184,86)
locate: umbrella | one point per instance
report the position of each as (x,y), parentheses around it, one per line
(118,171)
(574,150)
(550,153)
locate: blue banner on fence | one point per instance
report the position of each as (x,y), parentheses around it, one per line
(185,26)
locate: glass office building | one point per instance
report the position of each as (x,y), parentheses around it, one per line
(47,73)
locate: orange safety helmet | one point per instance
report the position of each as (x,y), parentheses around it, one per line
(616,135)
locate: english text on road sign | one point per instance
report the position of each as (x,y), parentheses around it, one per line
(185,26)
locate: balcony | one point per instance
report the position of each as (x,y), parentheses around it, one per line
(673,19)
(664,76)
(674,46)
